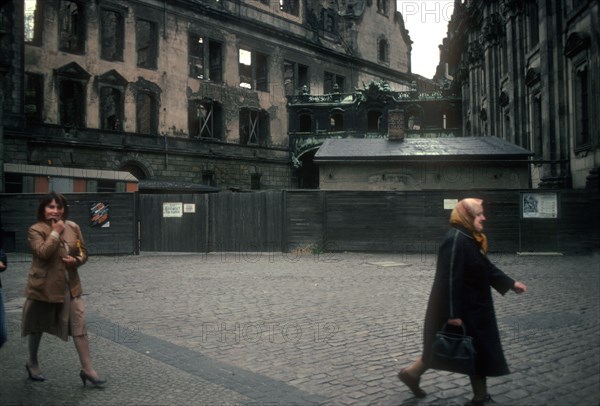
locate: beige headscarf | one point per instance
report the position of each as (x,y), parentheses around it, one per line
(464,214)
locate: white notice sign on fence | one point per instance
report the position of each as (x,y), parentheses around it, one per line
(172,209)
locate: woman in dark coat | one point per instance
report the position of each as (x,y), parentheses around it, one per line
(461,294)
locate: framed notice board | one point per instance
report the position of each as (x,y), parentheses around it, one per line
(542,205)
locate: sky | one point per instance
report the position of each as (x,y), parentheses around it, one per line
(427,23)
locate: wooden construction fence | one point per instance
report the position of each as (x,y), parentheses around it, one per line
(309,221)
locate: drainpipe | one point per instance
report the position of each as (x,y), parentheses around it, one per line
(166,151)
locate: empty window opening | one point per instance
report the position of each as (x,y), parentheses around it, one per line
(208,178)
(146,44)
(255,181)
(72,103)
(205,119)
(305,123)
(112,35)
(205,58)
(33,22)
(382,6)
(71,27)
(374,120)
(382,50)
(329,21)
(254,127)
(253,70)
(290,6)
(147,113)
(333,83)
(582,109)
(111,109)
(34,97)
(336,120)
(295,78)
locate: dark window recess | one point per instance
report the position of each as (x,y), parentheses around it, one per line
(582,112)
(205,58)
(290,6)
(71,27)
(72,103)
(205,119)
(111,109)
(537,127)
(13,182)
(534,25)
(196,56)
(147,113)
(336,121)
(215,61)
(382,52)
(305,122)
(146,44)
(254,127)
(374,120)
(34,97)
(106,185)
(295,78)
(382,6)
(208,178)
(255,181)
(329,20)
(112,35)
(333,83)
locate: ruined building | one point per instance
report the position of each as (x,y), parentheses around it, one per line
(182,94)
(529,72)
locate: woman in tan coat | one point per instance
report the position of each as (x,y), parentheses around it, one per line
(53,302)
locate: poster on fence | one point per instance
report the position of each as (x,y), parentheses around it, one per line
(99,215)
(539,205)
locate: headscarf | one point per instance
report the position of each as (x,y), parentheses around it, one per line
(464,214)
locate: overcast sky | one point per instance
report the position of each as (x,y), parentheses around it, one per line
(427,23)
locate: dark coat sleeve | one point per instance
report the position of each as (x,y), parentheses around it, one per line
(501,282)
(3,259)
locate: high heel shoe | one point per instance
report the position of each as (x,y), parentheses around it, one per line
(85,377)
(37,377)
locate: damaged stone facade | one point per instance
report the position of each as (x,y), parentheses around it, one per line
(528,72)
(183,90)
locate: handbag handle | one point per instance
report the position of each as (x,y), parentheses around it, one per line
(462,325)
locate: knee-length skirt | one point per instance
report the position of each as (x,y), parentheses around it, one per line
(59,319)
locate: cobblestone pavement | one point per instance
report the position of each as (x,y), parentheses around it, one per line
(278,329)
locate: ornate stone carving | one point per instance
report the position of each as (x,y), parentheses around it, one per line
(493,28)
(532,76)
(503,99)
(576,42)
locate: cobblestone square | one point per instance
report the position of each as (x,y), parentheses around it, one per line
(283,329)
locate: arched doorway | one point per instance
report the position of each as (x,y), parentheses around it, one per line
(308,173)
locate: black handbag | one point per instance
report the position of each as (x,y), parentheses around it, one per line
(453,352)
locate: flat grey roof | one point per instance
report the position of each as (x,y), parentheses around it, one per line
(372,149)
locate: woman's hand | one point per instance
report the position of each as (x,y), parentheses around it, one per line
(69,260)
(519,287)
(58,226)
(455,322)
